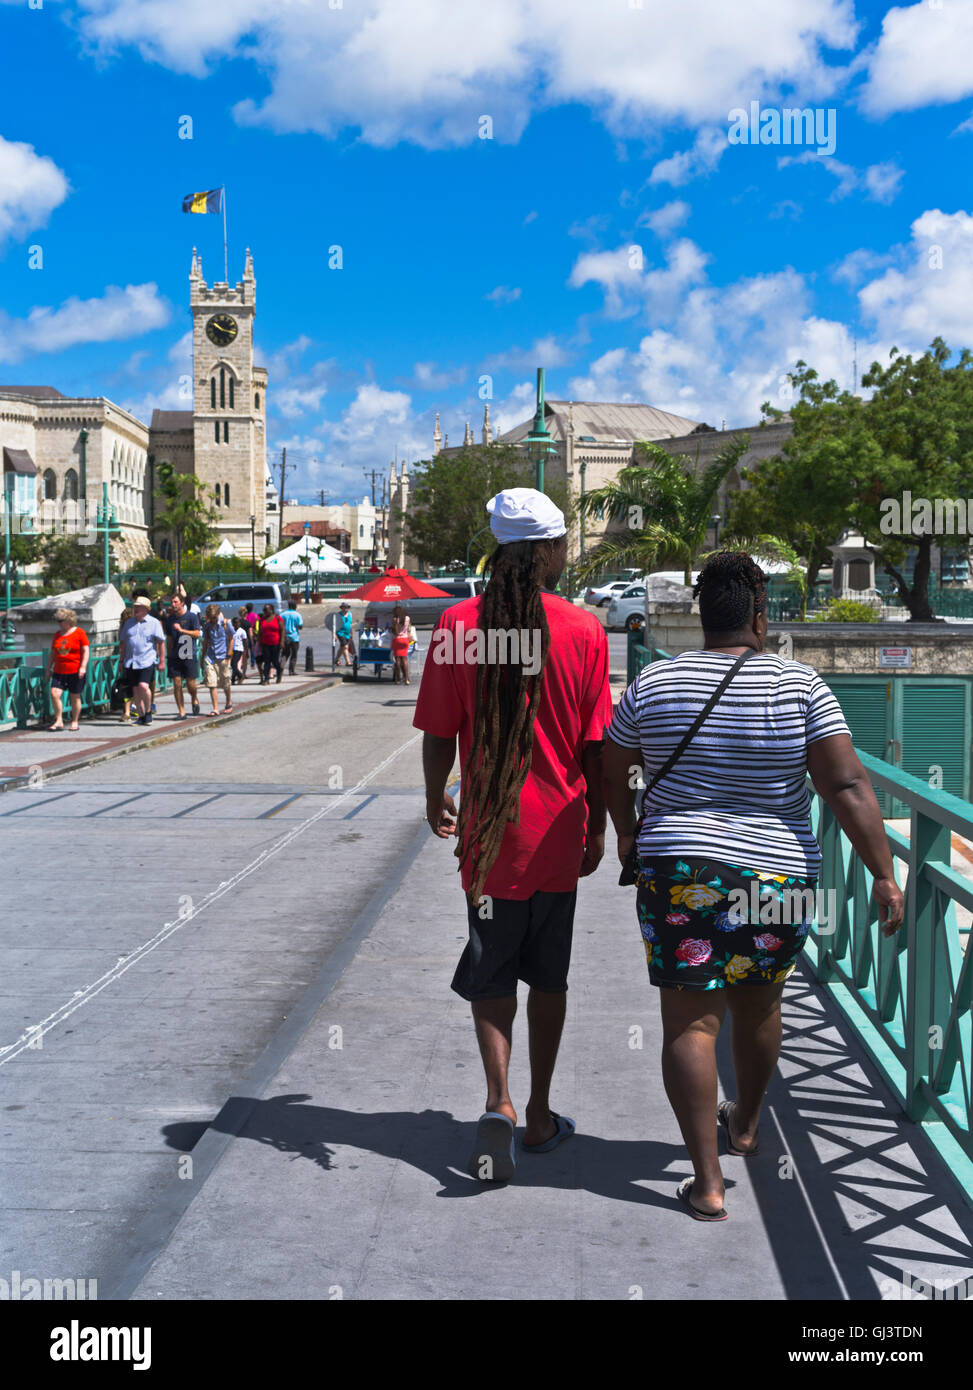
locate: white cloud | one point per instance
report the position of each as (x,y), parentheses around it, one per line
(427,71)
(852,269)
(922,58)
(933,293)
(878,182)
(964,127)
(543,352)
(664,221)
(119,313)
(31,187)
(504,294)
(427,377)
(628,285)
(702,158)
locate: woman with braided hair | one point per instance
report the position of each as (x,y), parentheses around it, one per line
(521,677)
(725,859)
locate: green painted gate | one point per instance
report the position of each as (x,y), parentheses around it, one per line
(921,724)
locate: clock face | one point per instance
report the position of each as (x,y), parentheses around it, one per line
(221,329)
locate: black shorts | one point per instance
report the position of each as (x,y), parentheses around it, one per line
(525,939)
(186,668)
(139,675)
(73,684)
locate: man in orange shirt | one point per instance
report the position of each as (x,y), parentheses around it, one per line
(69,663)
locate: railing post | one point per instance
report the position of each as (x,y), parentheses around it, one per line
(927,840)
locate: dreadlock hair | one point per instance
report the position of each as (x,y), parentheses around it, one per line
(507,700)
(731,590)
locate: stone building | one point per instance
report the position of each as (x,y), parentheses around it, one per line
(62,449)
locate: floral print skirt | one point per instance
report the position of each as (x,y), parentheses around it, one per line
(707,924)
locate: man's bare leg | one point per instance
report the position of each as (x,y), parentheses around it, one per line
(545,1023)
(494,1020)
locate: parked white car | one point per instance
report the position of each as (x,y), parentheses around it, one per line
(627,610)
(602,594)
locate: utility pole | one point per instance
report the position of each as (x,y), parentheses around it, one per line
(283,480)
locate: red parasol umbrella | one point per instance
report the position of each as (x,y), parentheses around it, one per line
(394,586)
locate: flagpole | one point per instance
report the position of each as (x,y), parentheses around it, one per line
(226,276)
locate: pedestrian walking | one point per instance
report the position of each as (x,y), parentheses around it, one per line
(401,630)
(67,666)
(342,632)
(270,644)
(141,643)
(253,625)
(183,630)
(729,734)
(217,646)
(241,651)
(293,622)
(532,815)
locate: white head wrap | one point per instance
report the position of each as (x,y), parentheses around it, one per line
(524,514)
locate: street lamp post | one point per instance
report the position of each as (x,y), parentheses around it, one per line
(107,523)
(716,519)
(8,502)
(583,518)
(253,547)
(307,564)
(539,440)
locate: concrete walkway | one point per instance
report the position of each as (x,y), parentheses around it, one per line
(29,756)
(337,1168)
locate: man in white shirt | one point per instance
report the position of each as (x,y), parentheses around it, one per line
(142,645)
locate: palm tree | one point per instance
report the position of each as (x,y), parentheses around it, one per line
(666,510)
(187,518)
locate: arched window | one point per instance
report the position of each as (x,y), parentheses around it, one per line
(226,494)
(226,431)
(212,393)
(71,486)
(222,387)
(256,400)
(216,493)
(50,485)
(216,430)
(231,393)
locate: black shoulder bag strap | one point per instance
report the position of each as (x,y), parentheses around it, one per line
(627,875)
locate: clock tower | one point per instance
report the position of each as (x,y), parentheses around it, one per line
(229,406)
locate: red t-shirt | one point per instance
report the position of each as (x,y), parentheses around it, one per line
(67,648)
(543,853)
(270,632)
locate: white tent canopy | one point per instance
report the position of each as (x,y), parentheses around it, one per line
(225,548)
(324,558)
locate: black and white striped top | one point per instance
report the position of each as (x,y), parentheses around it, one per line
(738,792)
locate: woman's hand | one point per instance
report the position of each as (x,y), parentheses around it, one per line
(891,904)
(625,843)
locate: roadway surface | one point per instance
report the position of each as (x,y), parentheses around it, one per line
(231,1064)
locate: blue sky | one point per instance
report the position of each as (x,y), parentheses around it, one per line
(607,230)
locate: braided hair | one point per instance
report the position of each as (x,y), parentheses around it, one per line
(731,590)
(507,700)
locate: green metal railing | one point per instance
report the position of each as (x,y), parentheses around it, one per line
(909,997)
(25,691)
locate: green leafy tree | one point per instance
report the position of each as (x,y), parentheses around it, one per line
(664,509)
(187,517)
(447,503)
(67,564)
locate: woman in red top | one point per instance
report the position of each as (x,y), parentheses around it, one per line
(69,663)
(270,638)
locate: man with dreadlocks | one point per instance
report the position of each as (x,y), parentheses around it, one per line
(521,676)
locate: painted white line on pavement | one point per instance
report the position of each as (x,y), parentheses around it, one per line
(31,1037)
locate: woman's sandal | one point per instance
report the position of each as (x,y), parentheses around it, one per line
(723,1117)
(683,1191)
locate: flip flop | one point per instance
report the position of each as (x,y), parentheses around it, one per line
(723,1118)
(682,1192)
(492,1159)
(565,1128)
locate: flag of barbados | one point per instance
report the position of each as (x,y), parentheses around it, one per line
(209,201)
